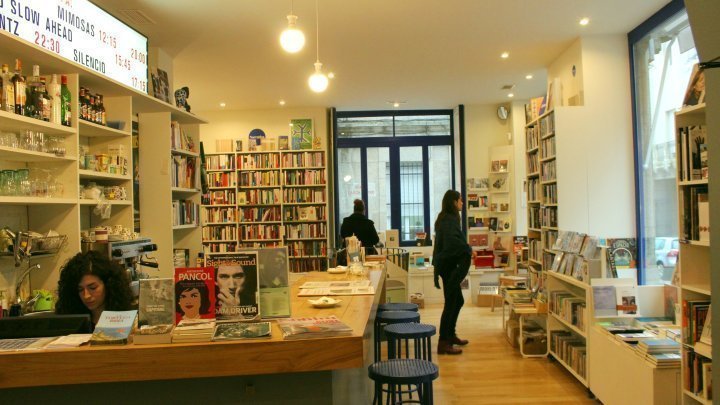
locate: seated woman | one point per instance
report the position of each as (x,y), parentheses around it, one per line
(90,283)
(359,225)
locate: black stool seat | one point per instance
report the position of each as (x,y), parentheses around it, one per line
(409,330)
(398,372)
(399,335)
(398,306)
(391,317)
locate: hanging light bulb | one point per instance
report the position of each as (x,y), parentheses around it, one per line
(292,39)
(318,82)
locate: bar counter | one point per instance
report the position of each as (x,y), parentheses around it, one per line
(330,365)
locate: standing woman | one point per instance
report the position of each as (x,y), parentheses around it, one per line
(451,259)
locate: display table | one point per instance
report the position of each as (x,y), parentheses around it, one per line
(334,368)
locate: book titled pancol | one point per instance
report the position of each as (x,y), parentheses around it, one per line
(236,280)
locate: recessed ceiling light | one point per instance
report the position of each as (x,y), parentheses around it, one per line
(511,95)
(281,102)
(223,104)
(505,55)
(584,21)
(529,77)
(331,75)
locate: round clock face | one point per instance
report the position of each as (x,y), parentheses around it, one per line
(502,112)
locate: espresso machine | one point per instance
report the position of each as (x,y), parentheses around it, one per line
(131,254)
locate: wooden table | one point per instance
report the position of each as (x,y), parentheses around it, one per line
(143,363)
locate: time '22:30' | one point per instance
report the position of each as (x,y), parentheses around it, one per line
(48,43)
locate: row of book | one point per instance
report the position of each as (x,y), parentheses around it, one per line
(297,231)
(222,232)
(185,212)
(307,248)
(535,249)
(532,137)
(533,186)
(571,264)
(220,162)
(550,195)
(570,349)
(260,197)
(301,264)
(534,216)
(222,179)
(697,374)
(548,216)
(260,178)
(477,201)
(548,171)
(309,213)
(695,315)
(568,307)
(693,159)
(304,195)
(533,163)
(260,232)
(179,140)
(548,148)
(183,173)
(303,159)
(304,177)
(219,197)
(696,214)
(547,126)
(258,161)
(259,214)
(220,247)
(550,239)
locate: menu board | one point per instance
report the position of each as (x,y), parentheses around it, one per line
(82,32)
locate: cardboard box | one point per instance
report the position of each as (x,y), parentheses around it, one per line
(419,301)
(512,330)
(485,300)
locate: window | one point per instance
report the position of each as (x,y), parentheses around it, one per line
(663,55)
(399,162)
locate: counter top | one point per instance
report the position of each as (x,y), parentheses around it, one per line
(92,364)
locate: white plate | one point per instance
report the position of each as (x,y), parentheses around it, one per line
(324,302)
(337,270)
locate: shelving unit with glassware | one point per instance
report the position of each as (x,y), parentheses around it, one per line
(53,194)
(694,250)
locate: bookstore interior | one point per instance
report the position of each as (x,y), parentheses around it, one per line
(291,227)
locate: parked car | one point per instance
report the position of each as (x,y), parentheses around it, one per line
(666,252)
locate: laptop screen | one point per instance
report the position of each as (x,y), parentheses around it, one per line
(46,325)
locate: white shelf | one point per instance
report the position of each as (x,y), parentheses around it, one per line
(535,261)
(569,280)
(693,109)
(219,170)
(180,152)
(478,209)
(547,159)
(533,150)
(703,349)
(93,130)
(697,398)
(568,368)
(499,192)
(542,182)
(259,240)
(535,202)
(217,205)
(220,241)
(704,243)
(549,135)
(36,201)
(187,226)
(687,183)
(22,155)
(505,172)
(91,174)
(305,203)
(258,205)
(84,201)
(246,223)
(11,122)
(568,325)
(534,174)
(477,190)
(305,221)
(535,229)
(700,289)
(479,229)
(219,223)
(184,190)
(254,152)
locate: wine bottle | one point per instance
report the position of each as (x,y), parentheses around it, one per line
(65,111)
(8,90)
(19,87)
(55,101)
(33,98)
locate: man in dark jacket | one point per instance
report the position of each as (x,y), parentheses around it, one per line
(359,225)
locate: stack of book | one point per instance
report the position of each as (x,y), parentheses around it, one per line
(660,352)
(315,327)
(196,330)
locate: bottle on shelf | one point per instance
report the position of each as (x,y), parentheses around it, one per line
(44,102)
(55,101)
(65,103)
(102,116)
(33,98)
(19,88)
(8,90)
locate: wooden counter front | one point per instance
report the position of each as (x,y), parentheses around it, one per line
(195,360)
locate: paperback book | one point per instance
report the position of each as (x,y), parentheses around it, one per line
(236,278)
(113,328)
(621,254)
(156,303)
(194,293)
(241,330)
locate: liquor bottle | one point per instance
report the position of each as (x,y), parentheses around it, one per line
(65,111)
(91,109)
(19,87)
(55,101)
(83,103)
(8,90)
(44,101)
(102,112)
(33,98)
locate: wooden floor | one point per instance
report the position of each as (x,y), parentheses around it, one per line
(490,371)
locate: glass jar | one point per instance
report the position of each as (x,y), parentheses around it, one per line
(23,182)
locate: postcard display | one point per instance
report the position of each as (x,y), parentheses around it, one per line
(268,199)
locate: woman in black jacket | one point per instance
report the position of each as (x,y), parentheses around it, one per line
(451,260)
(359,225)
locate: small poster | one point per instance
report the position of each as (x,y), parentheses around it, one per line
(302,133)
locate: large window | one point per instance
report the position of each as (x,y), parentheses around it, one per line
(663,56)
(399,163)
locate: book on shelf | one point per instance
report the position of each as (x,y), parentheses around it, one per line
(181,257)
(156,302)
(694,315)
(113,327)
(153,335)
(706,335)
(194,293)
(478,239)
(236,277)
(695,91)
(241,330)
(193,330)
(303,328)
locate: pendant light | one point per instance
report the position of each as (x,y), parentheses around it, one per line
(318,82)
(292,39)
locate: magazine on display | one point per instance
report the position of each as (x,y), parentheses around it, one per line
(236,279)
(274,281)
(302,328)
(241,330)
(194,293)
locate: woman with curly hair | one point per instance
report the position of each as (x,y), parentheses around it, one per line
(90,283)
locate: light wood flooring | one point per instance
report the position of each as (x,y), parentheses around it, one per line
(490,371)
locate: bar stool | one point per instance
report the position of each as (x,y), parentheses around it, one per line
(388,318)
(419,333)
(398,306)
(398,372)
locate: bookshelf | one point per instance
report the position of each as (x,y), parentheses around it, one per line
(267,199)
(694,250)
(534,202)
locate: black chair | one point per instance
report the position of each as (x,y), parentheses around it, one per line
(395,373)
(383,318)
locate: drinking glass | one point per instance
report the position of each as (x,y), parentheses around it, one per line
(23,182)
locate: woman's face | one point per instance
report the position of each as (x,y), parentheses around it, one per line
(459,204)
(190,302)
(92,292)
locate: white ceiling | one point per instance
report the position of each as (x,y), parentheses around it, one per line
(428,53)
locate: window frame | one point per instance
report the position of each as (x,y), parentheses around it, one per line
(393,143)
(634,36)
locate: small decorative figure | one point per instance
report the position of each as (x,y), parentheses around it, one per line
(181,96)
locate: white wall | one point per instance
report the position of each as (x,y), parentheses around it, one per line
(483,129)
(517,124)
(237,124)
(572,89)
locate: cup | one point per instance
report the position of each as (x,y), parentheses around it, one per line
(101,235)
